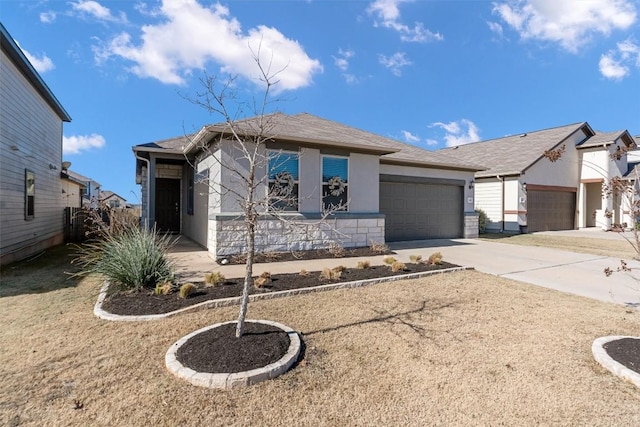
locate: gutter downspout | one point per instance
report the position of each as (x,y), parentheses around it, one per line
(146,218)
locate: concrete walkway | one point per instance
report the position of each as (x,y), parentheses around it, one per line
(579,274)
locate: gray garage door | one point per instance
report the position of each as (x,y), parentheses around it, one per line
(415,211)
(550,210)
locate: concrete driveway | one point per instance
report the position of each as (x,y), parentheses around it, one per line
(579,274)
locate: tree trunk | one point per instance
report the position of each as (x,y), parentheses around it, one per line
(248,276)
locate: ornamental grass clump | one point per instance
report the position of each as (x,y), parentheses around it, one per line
(213,279)
(363,265)
(397,266)
(415,258)
(187,290)
(435,258)
(132,259)
(389,260)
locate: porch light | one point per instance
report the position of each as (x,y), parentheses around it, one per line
(524,187)
(471,184)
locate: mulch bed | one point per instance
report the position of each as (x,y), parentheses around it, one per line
(265,257)
(625,351)
(219,351)
(145,302)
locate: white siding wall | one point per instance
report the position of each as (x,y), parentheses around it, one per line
(514,212)
(30,125)
(489,199)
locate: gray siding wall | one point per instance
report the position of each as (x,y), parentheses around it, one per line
(31,138)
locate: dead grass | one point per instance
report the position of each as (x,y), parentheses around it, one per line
(604,247)
(452,349)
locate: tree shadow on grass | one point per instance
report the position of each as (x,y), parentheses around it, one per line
(47,271)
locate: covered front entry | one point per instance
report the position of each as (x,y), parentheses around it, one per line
(168,204)
(421,208)
(550,209)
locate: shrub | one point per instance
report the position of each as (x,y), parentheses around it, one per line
(187,290)
(397,266)
(389,260)
(363,265)
(214,279)
(339,268)
(266,275)
(304,273)
(259,282)
(482,221)
(336,249)
(132,259)
(435,258)
(379,248)
(164,288)
(329,274)
(415,258)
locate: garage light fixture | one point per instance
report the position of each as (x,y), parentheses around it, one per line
(524,187)
(471,184)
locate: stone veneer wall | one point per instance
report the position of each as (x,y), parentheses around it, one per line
(298,232)
(471,225)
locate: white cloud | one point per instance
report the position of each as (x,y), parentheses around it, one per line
(496,29)
(459,132)
(616,63)
(409,137)
(76,144)
(190,35)
(342,62)
(395,62)
(388,13)
(96,10)
(570,23)
(41,64)
(47,17)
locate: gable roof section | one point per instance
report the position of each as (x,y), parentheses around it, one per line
(106,194)
(607,138)
(309,130)
(513,154)
(16,55)
(81,178)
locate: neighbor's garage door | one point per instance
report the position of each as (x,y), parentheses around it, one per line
(550,210)
(415,211)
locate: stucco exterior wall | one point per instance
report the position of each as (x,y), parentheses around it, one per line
(30,138)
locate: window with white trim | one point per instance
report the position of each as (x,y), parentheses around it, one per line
(283,180)
(29,194)
(335,183)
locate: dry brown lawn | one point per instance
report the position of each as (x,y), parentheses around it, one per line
(605,247)
(454,349)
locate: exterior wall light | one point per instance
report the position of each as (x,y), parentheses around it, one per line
(471,184)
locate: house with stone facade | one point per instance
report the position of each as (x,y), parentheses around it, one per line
(524,190)
(386,190)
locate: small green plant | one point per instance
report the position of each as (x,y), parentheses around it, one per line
(435,258)
(397,266)
(379,248)
(363,265)
(415,258)
(482,221)
(164,288)
(330,274)
(187,290)
(389,260)
(132,259)
(214,279)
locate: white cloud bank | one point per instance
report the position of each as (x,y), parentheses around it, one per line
(616,63)
(77,144)
(459,132)
(388,15)
(42,64)
(570,23)
(190,35)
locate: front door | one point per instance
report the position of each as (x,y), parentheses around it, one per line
(168,205)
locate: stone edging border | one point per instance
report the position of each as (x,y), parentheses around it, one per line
(237,379)
(618,369)
(225,302)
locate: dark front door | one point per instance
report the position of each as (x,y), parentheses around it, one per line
(168,204)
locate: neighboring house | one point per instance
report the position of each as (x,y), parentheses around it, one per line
(91,193)
(112,200)
(522,190)
(31,119)
(72,189)
(394,191)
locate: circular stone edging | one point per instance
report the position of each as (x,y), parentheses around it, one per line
(616,368)
(236,379)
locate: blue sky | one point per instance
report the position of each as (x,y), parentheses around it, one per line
(431,73)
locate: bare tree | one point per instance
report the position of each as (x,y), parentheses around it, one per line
(246,170)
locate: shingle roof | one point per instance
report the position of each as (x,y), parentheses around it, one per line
(607,138)
(170,145)
(513,154)
(106,194)
(315,131)
(77,176)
